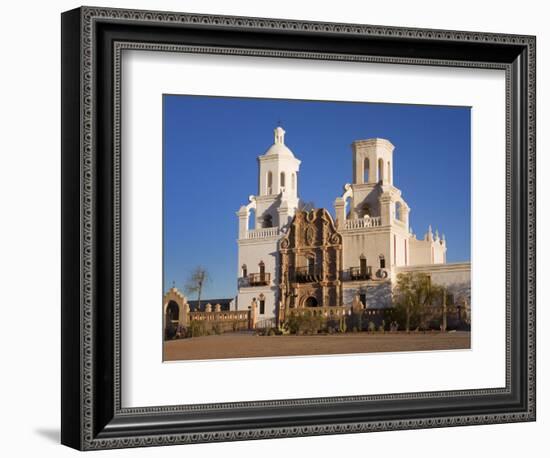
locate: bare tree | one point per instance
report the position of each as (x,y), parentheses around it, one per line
(198,277)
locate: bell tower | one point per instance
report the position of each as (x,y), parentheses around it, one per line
(277,197)
(372,161)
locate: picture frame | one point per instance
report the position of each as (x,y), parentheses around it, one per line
(93,416)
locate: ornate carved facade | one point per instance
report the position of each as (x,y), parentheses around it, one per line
(310,262)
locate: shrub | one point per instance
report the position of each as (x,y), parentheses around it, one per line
(196,329)
(305,324)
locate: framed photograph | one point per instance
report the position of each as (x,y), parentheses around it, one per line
(276,228)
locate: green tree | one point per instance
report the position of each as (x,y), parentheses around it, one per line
(198,277)
(414,294)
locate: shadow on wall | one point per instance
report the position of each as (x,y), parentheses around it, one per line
(379,296)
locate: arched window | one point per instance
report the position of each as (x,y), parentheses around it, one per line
(380,169)
(293,178)
(389,172)
(311,302)
(252,219)
(282,180)
(244,271)
(261,297)
(267,221)
(398,211)
(366,170)
(365,210)
(269,182)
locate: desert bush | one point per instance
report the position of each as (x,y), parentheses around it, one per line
(196,329)
(305,324)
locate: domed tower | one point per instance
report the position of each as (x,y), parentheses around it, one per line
(277,197)
(274,207)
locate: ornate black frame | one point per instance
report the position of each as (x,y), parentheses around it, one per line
(92,40)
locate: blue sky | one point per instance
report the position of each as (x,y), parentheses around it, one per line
(210,168)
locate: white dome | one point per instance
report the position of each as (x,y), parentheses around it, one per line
(279,147)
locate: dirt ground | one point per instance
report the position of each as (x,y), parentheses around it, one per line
(237,345)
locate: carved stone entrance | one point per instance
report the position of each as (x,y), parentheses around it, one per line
(310,262)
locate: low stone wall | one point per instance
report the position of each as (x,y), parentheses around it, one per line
(224,321)
(328,312)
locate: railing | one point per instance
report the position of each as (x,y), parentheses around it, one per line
(361,223)
(266,323)
(307,275)
(358,273)
(262,233)
(259,279)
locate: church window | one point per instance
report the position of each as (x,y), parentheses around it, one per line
(382,262)
(251,223)
(366,170)
(380,169)
(268,221)
(282,179)
(269,182)
(311,302)
(293,179)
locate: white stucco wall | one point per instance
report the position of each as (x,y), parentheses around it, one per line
(251,253)
(371,244)
(378,294)
(456,277)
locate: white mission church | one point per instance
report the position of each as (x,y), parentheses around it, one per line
(288,257)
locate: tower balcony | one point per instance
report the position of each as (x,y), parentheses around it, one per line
(363,223)
(262,233)
(257,279)
(358,273)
